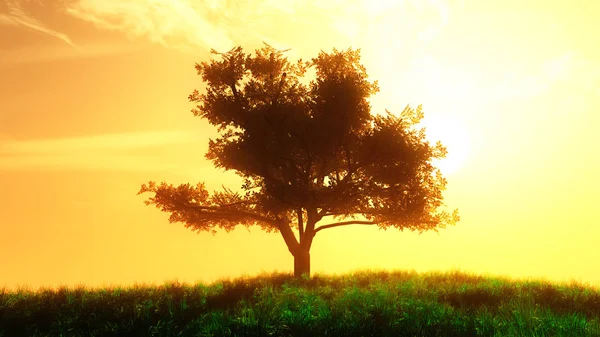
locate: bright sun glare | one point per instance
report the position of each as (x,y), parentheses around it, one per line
(454,137)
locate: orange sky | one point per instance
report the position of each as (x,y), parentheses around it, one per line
(93,103)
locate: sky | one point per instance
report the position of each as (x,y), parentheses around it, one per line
(93,103)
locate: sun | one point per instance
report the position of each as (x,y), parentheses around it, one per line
(453,135)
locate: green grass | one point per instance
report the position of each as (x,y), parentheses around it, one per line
(367,303)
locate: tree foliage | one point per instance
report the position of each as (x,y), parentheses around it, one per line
(307,151)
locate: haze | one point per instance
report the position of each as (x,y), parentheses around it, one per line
(93,103)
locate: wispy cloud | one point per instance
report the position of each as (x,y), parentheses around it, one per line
(178,24)
(129,140)
(17,16)
(224,24)
(43,53)
(559,67)
(552,73)
(189,25)
(94,152)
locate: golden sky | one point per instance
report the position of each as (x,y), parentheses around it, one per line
(93,103)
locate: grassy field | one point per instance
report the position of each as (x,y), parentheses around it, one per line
(367,303)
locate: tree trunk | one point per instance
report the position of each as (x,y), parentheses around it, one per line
(302,263)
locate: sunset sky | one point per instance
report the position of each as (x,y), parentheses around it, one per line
(93,103)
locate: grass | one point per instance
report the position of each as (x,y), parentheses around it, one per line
(366,303)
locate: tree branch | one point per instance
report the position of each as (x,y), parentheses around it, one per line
(235,92)
(360,222)
(348,158)
(300,222)
(344,223)
(243,202)
(288,235)
(221,210)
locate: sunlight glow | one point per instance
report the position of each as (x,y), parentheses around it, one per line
(512,89)
(454,137)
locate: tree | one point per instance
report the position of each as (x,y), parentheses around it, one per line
(306,152)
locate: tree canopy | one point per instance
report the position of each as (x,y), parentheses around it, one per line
(307,151)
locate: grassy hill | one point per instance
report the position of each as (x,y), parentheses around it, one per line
(366,303)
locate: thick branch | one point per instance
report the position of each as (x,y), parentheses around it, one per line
(281,223)
(234,90)
(344,223)
(300,221)
(288,235)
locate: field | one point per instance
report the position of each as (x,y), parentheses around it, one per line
(365,303)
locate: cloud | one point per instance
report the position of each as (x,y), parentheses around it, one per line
(43,53)
(559,67)
(117,162)
(94,152)
(18,17)
(568,69)
(563,87)
(189,25)
(123,141)
(178,24)
(221,25)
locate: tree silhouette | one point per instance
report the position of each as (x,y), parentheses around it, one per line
(307,152)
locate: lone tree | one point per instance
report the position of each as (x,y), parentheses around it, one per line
(306,152)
